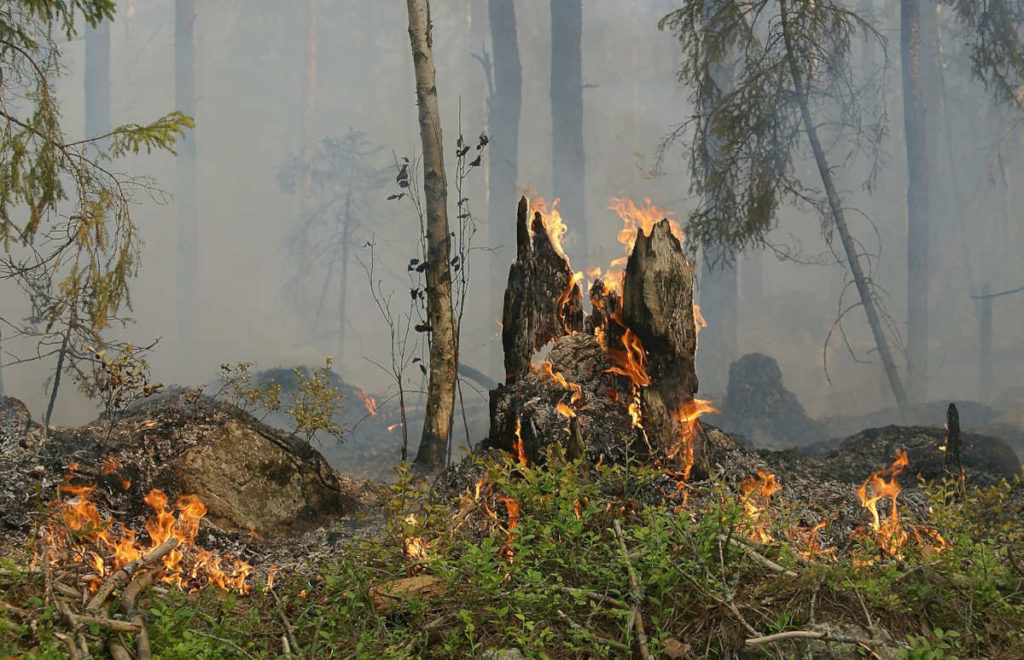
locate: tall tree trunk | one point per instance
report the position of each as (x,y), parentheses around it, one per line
(567,176)
(504,108)
(97,80)
(917,200)
(838,216)
(309,113)
(444,347)
(188,210)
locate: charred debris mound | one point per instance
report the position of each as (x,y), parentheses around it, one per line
(259,485)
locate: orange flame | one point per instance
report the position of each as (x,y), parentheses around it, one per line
(882,483)
(187,566)
(552,220)
(368,401)
(630,360)
(517,444)
(756,493)
(688,420)
(565,410)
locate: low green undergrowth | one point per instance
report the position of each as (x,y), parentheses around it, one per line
(533,558)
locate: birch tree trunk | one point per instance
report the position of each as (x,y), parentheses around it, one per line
(917,200)
(440,318)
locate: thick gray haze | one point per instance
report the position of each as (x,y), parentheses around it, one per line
(250,62)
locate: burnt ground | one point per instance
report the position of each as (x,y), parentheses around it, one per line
(151,441)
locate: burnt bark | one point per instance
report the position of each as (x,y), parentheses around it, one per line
(542,301)
(657,305)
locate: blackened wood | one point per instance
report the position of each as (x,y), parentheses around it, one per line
(657,305)
(952,464)
(542,302)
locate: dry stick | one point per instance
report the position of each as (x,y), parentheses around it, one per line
(64,589)
(287,628)
(114,625)
(822,635)
(125,573)
(117,649)
(13,609)
(615,644)
(638,619)
(756,556)
(68,642)
(614,602)
(132,591)
(142,650)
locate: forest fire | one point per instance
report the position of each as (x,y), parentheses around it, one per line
(882,483)
(76,524)
(368,401)
(755,493)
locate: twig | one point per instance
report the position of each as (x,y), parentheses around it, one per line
(69,643)
(125,573)
(637,595)
(758,557)
(142,650)
(115,625)
(615,644)
(287,628)
(614,602)
(13,609)
(66,590)
(132,591)
(228,642)
(822,635)
(117,649)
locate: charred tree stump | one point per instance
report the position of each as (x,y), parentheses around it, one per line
(952,463)
(542,300)
(657,306)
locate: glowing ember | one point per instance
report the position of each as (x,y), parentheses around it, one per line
(565,299)
(76,521)
(392,427)
(756,493)
(882,483)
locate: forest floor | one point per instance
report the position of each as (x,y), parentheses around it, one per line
(566,561)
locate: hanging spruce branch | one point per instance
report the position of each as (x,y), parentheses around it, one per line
(790,71)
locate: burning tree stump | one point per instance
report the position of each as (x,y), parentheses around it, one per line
(657,305)
(543,300)
(625,385)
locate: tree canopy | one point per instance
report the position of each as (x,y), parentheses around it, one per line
(69,241)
